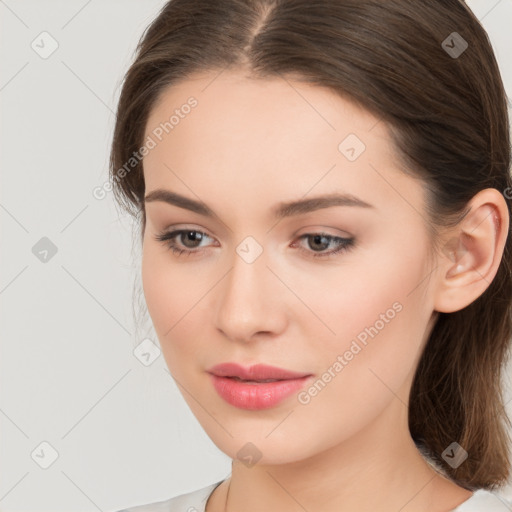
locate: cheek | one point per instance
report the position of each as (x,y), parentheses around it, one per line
(173,298)
(379,326)
(168,289)
(156,288)
(164,293)
(373,315)
(353,294)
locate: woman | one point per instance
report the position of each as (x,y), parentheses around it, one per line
(323,192)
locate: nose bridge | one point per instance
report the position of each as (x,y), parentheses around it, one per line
(244,307)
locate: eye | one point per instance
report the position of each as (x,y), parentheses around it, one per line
(190,240)
(188,237)
(320,241)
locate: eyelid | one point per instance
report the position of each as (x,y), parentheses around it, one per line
(324,230)
(313,229)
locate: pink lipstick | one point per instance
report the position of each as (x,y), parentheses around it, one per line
(257,387)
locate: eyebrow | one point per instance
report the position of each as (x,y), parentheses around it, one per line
(282,210)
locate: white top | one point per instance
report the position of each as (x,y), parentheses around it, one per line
(195,501)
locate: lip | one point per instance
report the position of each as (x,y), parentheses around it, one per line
(255,372)
(255,395)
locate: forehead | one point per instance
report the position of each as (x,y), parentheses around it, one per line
(268,137)
(274,106)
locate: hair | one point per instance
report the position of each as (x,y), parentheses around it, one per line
(448,120)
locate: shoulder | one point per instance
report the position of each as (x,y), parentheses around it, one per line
(483,500)
(194,501)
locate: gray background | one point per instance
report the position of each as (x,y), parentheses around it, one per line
(121,431)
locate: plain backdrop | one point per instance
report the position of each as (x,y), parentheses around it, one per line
(85,424)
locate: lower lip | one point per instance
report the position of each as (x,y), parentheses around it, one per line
(255,396)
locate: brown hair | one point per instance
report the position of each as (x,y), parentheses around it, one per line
(447,114)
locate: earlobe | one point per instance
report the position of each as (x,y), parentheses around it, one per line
(471,257)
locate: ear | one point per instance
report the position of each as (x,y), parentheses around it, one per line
(470,258)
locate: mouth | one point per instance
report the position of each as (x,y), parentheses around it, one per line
(255,388)
(238,379)
(257,372)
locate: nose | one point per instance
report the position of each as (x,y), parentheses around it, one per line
(248,302)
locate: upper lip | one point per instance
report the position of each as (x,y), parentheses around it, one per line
(255,372)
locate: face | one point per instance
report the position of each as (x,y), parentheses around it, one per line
(334,291)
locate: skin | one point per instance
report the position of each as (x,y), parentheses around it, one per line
(247,146)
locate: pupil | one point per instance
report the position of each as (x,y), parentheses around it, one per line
(192,236)
(317,240)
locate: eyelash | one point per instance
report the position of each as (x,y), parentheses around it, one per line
(167,238)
